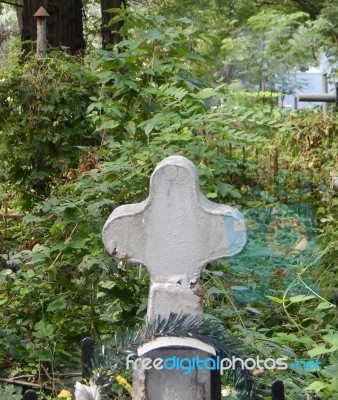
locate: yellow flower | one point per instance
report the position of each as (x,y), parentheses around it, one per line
(123,382)
(65,394)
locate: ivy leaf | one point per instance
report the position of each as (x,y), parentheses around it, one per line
(110,124)
(331,338)
(226,189)
(301,297)
(316,386)
(28,219)
(89,262)
(325,305)
(321,349)
(43,330)
(131,128)
(6,272)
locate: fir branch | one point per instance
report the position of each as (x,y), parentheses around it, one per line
(112,360)
(208,331)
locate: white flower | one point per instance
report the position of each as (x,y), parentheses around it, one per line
(84,392)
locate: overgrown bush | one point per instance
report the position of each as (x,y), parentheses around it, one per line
(42,118)
(144,103)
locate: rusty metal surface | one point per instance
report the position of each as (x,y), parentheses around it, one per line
(41,13)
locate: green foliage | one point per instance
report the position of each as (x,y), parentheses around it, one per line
(265,51)
(298,318)
(150,96)
(125,343)
(311,158)
(326,33)
(64,286)
(102,129)
(43,130)
(10,392)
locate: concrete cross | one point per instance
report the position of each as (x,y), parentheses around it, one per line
(175,232)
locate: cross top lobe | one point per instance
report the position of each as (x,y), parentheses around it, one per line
(176,231)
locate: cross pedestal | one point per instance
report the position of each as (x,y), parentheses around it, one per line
(188,382)
(175,232)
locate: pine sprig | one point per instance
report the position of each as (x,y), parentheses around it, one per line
(112,358)
(208,331)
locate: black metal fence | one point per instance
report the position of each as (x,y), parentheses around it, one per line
(30,395)
(277,392)
(87,355)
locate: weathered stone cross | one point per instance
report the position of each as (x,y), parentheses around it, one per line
(175,232)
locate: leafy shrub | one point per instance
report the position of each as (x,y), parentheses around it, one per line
(145,103)
(42,119)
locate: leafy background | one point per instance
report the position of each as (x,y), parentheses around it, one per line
(102,125)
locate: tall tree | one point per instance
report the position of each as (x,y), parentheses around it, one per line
(270,47)
(64,26)
(110,35)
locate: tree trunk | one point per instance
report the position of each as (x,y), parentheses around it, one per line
(19,11)
(110,35)
(64,26)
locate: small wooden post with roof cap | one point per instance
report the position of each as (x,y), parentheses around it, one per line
(41,41)
(175,232)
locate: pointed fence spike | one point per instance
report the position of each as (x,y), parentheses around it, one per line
(30,395)
(41,13)
(277,390)
(87,351)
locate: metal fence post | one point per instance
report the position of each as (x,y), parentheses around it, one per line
(277,390)
(87,353)
(321,97)
(275,163)
(325,89)
(30,395)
